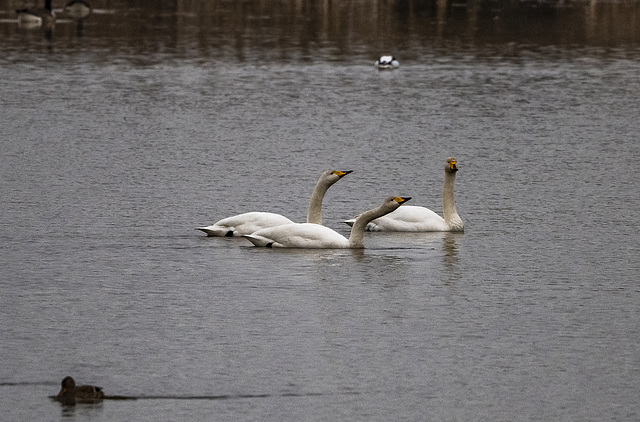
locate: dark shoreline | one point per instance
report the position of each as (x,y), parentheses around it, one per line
(351,26)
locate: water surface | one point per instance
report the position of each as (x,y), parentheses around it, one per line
(120,139)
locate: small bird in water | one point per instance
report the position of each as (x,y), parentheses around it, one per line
(387,62)
(36,16)
(72,393)
(77,9)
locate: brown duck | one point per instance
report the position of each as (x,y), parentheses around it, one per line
(70,392)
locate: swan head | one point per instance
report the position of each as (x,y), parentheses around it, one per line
(395,201)
(389,204)
(451,166)
(332,176)
(341,174)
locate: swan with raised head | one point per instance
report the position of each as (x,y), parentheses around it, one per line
(387,62)
(305,235)
(36,16)
(421,219)
(250,222)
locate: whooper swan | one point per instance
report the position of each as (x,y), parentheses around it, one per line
(305,235)
(421,219)
(250,222)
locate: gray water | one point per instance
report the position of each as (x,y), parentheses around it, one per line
(118,142)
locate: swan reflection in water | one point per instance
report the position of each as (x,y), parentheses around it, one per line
(450,248)
(450,255)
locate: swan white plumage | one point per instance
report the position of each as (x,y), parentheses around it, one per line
(387,62)
(421,219)
(250,222)
(305,235)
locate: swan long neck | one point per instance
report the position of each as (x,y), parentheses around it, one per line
(449,211)
(314,215)
(356,238)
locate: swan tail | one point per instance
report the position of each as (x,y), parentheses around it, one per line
(259,240)
(371,227)
(217,231)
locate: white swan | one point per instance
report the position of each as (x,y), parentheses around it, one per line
(387,62)
(250,222)
(421,219)
(305,235)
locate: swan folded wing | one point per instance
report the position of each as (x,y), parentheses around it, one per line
(350,222)
(246,223)
(409,219)
(215,230)
(370,227)
(302,235)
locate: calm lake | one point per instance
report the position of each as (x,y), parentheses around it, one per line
(122,133)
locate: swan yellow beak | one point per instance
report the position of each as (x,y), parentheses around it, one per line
(453,165)
(401,199)
(342,173)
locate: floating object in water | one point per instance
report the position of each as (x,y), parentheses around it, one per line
(387,62)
